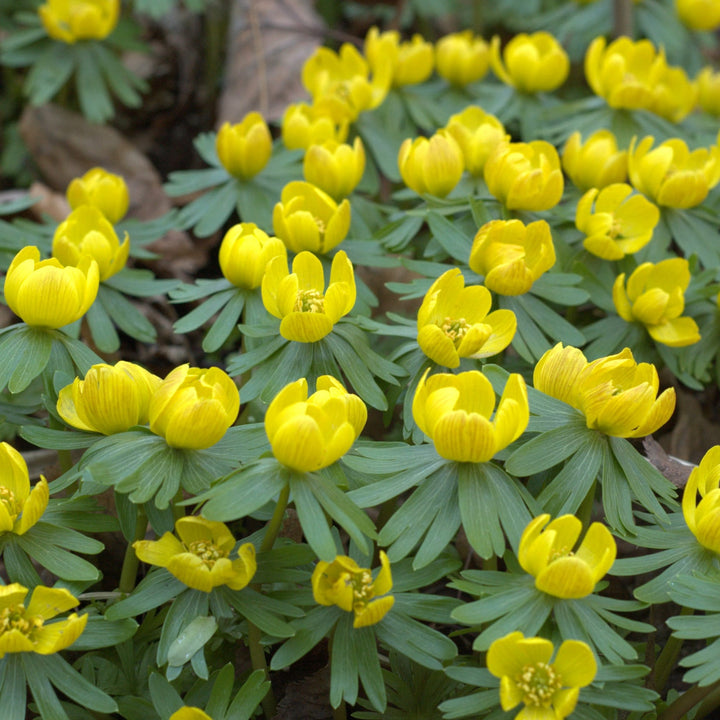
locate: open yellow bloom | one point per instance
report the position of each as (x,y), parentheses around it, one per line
(454,412)
(307,218)
(619,224)
(304,125)
(86,231)
(244,148)
(20,507)
(432,165)
(73,20)
(671,174)
(245,252)
(511,255)
(192,408)
(549,690)
(334,167)
(24,629)
(708,84)
(407,63)
(699,14)
(655,297)
(43,293)
(111,398)
(308,311)
(525,176)
(102,189)
(189,713)
(703,517)
(546,552)
(461,58)
(478,134)
(453,322)
(200,558)
(310,433)
(595,163)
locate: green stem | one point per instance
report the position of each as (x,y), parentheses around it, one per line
(688,700)
(130,565)
(177,510)
(340,713)
(275,523)
(490,563)
(584,513)
(712,702)
(668,657)
(257,656)
(623,20)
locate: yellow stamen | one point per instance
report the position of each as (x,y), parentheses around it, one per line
(11,501)
(309,301)
(362,590)
(206,551)
(455,329)
(561,553)
(13,618)
(539,683)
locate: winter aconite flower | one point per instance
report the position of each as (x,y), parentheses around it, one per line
(304,125)
(245,147)
(703,516)
(344,583)
(699,14)
(335,167)
(708,83)
(20,507)
(595,163)
(549,690)
(461,58)
(101,189)
(43,293)
(310,433)
(431,166)
(245,253)
(189,713)
(407,63)
(73,20)
(655,296)
(455,412)
(111,398)
(546,552)
(454,322)
(478,134)
(200,555)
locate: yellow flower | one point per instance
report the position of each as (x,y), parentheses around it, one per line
(72,20)
(245,252)
(189,713)
(111,398)
(454,411)
(525,176)
(617,395)
(708,83)
(307,310)
(699,14)
(703,517)
(655,297)
(511,255)
(310,433)
(344,583)
(671,174)
(307,218)
(549,690)
(621,224)
(546,552)
(102,189)
(595,163)
(433,165)
(87,231)
(304,125)
(478,134)
(43,293)
(407,63)
(533,63)
(25,629)
(244,148)
(201,557)
(461,58)
(193,407)
(20,507)
(334,167)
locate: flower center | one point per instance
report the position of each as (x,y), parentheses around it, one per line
(615,228)
(560,553)
(455,329)
(11,502)
(539,682)
(362,590)
(206,551)
(309,301)
(13,618)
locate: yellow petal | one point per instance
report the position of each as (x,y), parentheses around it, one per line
(158,552)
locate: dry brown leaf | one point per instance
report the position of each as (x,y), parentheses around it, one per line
(307,698)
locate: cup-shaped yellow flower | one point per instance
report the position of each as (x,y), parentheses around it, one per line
(334,167)
(245,147)
(407,63)
(462,58)
(525,176)
(431,166)
(102,189)
(245,252)
(533,63)
(310,433)
(703,516)
(304,125)
(671,174)
(189,713)
(699,14)
(307,218)
(546,552)
(111,399)
(455,411)
(708,84)
(454,322)
(478,134)
(549,690)
(615,221)
(43,293)
(87,231)
(511,255)
(192,408)
(200,555)
(20,507)
(344,583)
(655,297)
(595,163)
(73,20)
(307,311)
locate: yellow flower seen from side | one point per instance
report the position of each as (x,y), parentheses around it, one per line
(102,189)
(455,412)
(595,163)
(20,507)
(245,253)
(407,63)
(344,583)
(25,628)
(244,148)
(546,552)
(703,516)
(511,255)
(431,166)
(189,713)
(548,690)
(699,14)
(309,433)
(462,58)
(655,297)
(334,167)
(708,84)
(304,125)
(307,310)
(200,555)
(478,134)
(73,20)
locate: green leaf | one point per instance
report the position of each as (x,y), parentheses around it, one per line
(240,364)
(312,519)
(58,439)
(103,331)
(47,701)
(225,323)
(101,632)
(552,324)
(186,606)
(202,313)
(260,610)
(478,510)
(121,80)
(126,316)
(49,73)
(164,696)
(452,239)
(560,288)
(37,347)
(83,357)
(292,363)
(308,633)
(416,641)
(217,206)
(155,589)
(343,663)
(13,695)
(192,639)
(18,565)
(368,665)
(95,101)
(58,561)
(140,283)
(248,697)
(547,450)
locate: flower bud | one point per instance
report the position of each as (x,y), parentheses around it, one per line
(245,252)
(244,148)
(407,63)
(104,190)
(699,14)
(79,19)
(335,168)
(431,166)
(595,163)
(708,83)
(478,134)
(461,58)
(304,125)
